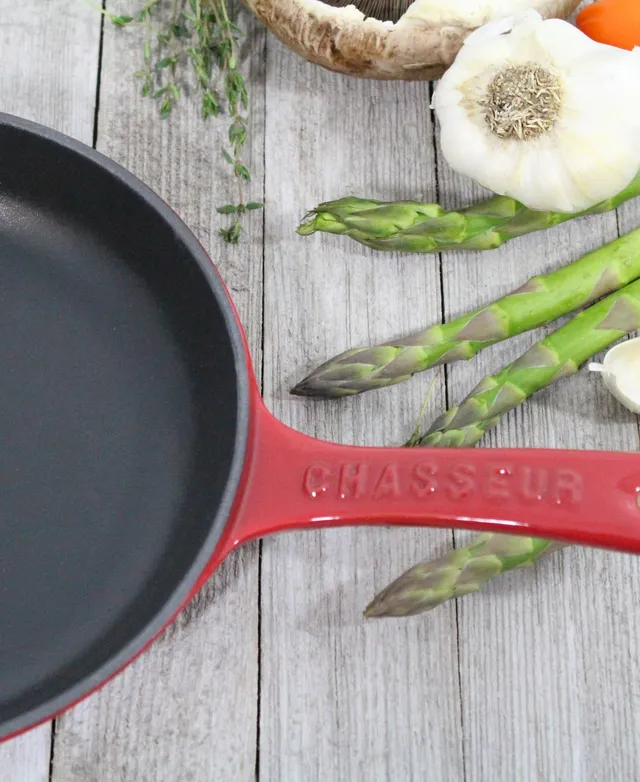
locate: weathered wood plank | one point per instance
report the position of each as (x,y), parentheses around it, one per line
(548,657)
(50,63)
(26,758)
(535,669)
(49,54)
(343,698)
(187,709)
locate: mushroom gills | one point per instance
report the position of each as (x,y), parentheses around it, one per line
(383,10)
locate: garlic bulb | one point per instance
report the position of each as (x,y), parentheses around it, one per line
(536,110)
(621,373)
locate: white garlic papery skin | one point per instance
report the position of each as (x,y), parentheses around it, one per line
(536,110)
(621,373)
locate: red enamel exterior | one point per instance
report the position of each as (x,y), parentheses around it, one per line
(294,481)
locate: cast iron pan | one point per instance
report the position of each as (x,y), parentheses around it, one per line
(135,452)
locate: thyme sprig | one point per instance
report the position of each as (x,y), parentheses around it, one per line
(200,36)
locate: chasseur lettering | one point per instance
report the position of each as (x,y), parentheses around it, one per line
(500,483)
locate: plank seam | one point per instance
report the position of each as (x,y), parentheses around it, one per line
(52,749)
(96,109)
(262,369)
(447,406)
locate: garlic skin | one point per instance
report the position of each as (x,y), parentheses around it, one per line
(620,371)
(535,110)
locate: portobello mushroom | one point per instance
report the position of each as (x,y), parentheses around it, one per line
(388,39)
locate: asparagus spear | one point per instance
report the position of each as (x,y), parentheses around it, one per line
(541,300)
(458,573)
(412,226)
(556,356)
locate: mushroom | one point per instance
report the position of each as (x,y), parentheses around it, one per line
(388,39)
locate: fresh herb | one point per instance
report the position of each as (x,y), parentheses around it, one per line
(199,36)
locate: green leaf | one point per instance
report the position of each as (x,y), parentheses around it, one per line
(227,157)
(180,31)
(232,82)
(165,62)
(146,89)
(166,107)
(203,78)
(240,170)
(174,90)
(254,205)
(140,74)
(236,132)
(210,106)
(235,230)
(232,63)
(232,234)
(121,21)
(161,91)
(147,50)
(228,209)
(163,38)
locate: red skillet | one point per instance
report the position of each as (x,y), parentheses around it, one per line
(136,452)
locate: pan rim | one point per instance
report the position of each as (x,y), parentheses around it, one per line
(162,618)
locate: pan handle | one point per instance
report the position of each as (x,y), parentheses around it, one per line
(293,481)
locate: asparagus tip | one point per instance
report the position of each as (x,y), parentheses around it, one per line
(373,611)
(308,224)
(310,387)
(306,228)
(301,389)
(378,608)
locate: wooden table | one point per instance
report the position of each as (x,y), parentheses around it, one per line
(272,673)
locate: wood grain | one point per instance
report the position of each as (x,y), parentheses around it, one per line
(187,709)
(48,74)
(545,667)
(537,678)
(548,657)
(49,68)
(343,698)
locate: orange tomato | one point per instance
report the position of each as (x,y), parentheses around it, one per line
(614,22)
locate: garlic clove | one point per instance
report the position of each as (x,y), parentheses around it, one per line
(620,372)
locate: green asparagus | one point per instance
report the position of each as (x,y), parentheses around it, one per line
(458,573)
(415,227)
(556,356)
(541,300)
